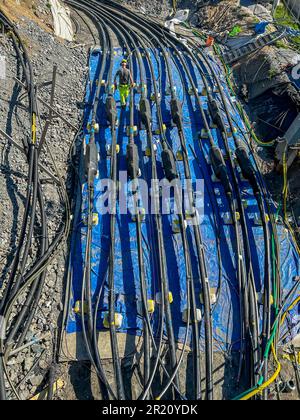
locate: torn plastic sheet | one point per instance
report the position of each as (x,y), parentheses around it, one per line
(180,17)
(62,20)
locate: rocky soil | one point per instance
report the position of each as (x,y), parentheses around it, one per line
(157,8)
(45,51)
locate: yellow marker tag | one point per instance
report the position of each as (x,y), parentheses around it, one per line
(179,156)
(33,128)
(117,321)
(95,219)
(77,307)
(59,384)
(151,306)
(291,357)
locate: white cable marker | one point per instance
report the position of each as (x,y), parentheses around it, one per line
(2,328)
(2,67)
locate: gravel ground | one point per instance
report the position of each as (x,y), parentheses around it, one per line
(157,8)
(45,51)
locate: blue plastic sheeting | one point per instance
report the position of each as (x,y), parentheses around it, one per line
(221,262)
(260,28)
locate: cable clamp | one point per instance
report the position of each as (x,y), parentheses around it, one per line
(78,307)
(95,219)
(212,295)
(107,323)
(186,312)
(158,298)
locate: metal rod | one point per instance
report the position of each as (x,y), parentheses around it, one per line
(19,147)
(55,113)
(50,116)
(31,343)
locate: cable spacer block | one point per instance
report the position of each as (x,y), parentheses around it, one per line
(245,203)
(214,178)
(212,296)
(78,308)
(148,152)
(204,133)
(176,228)
(168,91)
(158,298)
(261,298)
(203,92)
(190,214)
(108,150)
(96,128)
(155,97)
(117,321)
(227,218)
(257,220)
(151,306)
(185,314)
(131,130)
(179,156)
(164,129)
(142,215)
(95,219)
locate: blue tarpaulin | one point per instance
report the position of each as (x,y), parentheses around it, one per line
(215,229)
(261,27)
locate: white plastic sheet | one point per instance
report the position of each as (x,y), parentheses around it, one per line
(2,67)
(180,17)
(62,21)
